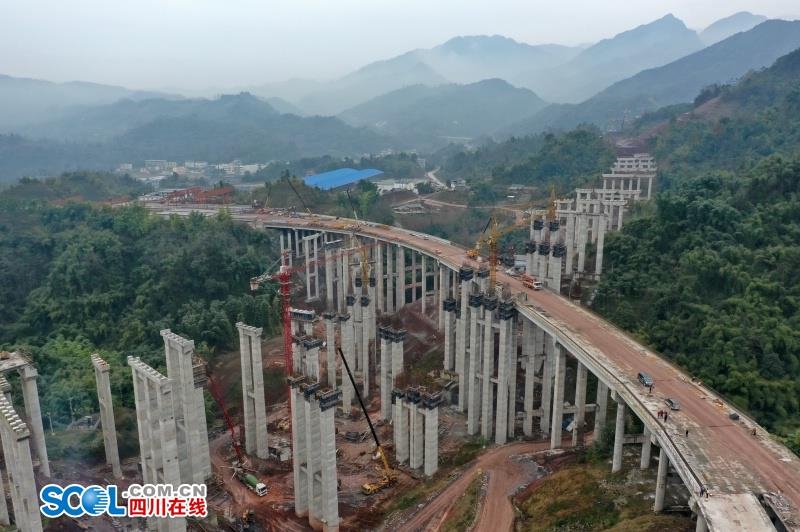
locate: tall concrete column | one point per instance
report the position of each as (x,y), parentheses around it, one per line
(702,525)
(30,395)
(431,440)
(379,297)
(386,381)
(417,437)
(580,404)
(340,272)
(101,374)
(621,214)
(601,410)
(474,364)
(449,337)
(644,462)
(366,336)
(547,381)
(462,324)
(414,276)
(357,312)
(401,430)
(570,243)
(330,493)
(581,238)
(299,449)
(313,459)
(16,449)
(560,368)
(512,376)
(390,281)
(189,408)
(601,239)
(424,291)
(255,412)
(330,299)
(346,277)
(661,480)
(504,361)
(401,277)
(619,437)
(348,340)
(487,395)
(443,292)
(4,518)
(158,434)
(330,343)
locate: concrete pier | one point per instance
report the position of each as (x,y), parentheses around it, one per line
(431,440)
(158,433)
(101,374)
(644,462)
(506,357)
(299,448)
(487,370)
(547,382)
(473,364)
(330,347)
(15,437)
(619,437)
(560,368)
(463,322)
(30,397)
(601,410)
(580,404)
(188,378)
(661,480)
(348,335)
(254,404)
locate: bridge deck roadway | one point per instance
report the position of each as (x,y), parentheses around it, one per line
(721,454)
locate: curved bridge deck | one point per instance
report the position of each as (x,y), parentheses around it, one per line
(719,453)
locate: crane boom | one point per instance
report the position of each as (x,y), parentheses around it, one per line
(386,468)
(288,180)
(216,393)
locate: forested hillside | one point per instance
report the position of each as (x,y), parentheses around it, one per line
(83,278)
(710,275)
(565,160)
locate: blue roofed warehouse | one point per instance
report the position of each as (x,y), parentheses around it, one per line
(339,178)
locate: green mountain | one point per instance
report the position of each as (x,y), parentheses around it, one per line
(230,127)
(422,117)
(26,101)
(610,60)
(677,82)
(709,274)
(725,27)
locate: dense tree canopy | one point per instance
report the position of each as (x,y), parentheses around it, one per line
(81,278)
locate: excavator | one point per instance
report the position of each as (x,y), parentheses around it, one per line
(388,475)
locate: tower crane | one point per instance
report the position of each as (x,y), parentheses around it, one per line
(490,239)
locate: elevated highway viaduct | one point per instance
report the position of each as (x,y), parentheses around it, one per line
(493,337)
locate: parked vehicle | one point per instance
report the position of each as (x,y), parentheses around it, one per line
(673,404)
(645,378)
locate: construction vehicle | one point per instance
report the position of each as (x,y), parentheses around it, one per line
(284,424)
(250,480)
(388,475)
(530,282)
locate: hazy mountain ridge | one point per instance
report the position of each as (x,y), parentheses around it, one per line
(677,82)
(230,127)
(25,101)
(725,27)
(426,117)
(610,60)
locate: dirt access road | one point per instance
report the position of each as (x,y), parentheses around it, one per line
(496,513)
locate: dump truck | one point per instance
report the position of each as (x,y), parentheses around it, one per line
(530,282)
(252,483)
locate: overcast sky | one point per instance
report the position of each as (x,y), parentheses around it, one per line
(195,44)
